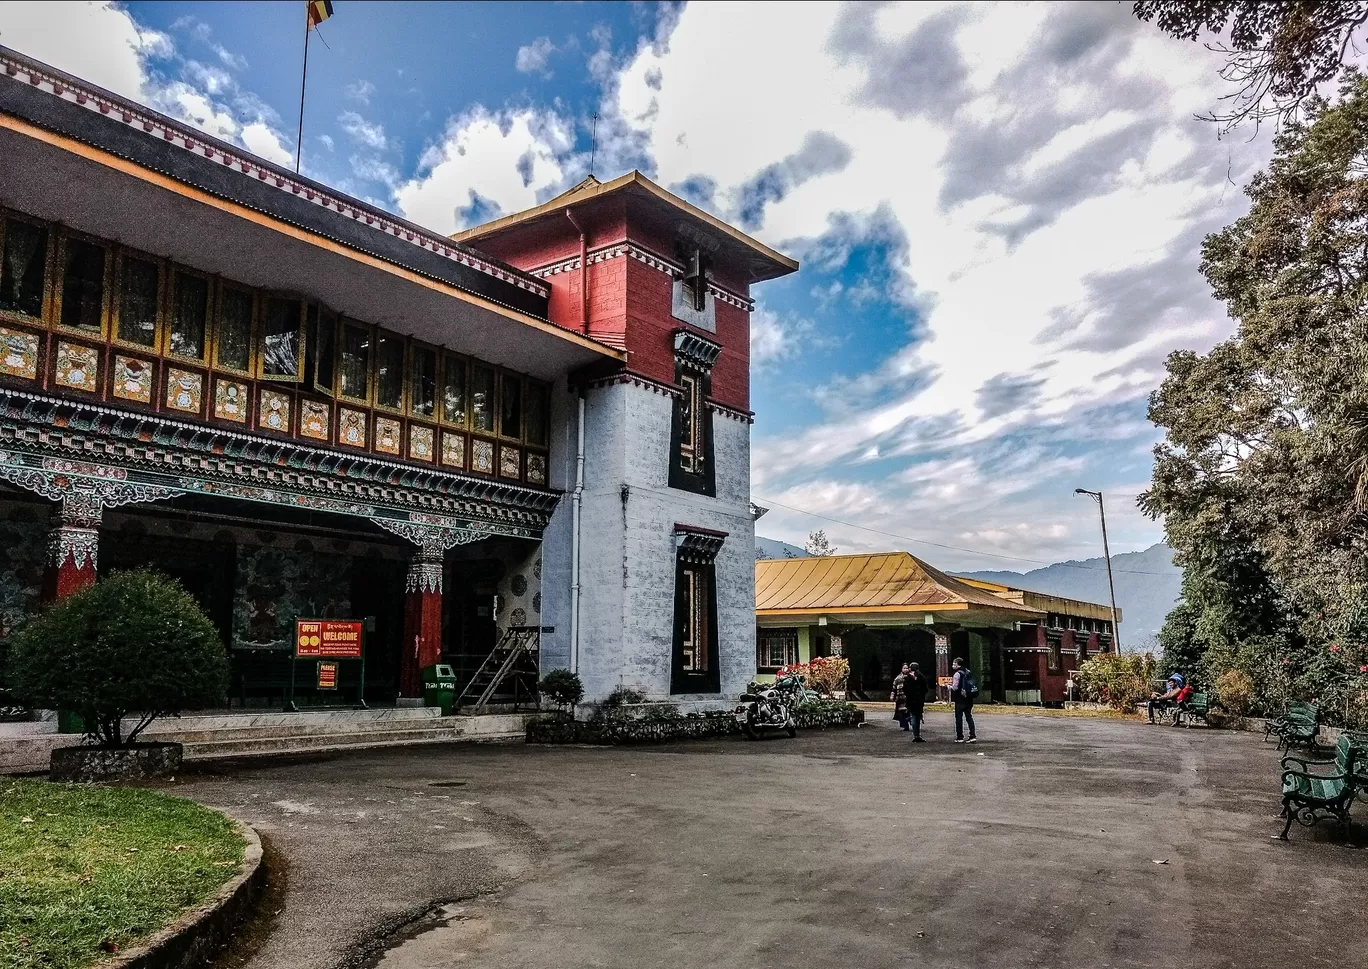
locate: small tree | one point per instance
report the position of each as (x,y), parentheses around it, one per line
(1118,680)
(818,544)
(134,643)
(562,688)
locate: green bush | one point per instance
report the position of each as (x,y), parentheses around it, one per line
(133,643)
(1235,692)
(610,707)
(562,688)
(1120,680)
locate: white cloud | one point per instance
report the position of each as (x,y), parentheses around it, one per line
(506,157)
(369,133)
(360,91)
(262,141)
(532,58)
(373,169)
(1050,233)
(102,43)
(96,41)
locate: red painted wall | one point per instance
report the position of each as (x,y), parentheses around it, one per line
(629,301)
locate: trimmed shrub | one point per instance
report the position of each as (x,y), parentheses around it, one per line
(666,725)
(611,706)
(1120,680)
(562,688)
(134,643)
(1235,692)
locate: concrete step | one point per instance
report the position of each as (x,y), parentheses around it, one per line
(299,733)
(301,729)
(214,720)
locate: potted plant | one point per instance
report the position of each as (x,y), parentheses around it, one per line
(133,645)
(562,688)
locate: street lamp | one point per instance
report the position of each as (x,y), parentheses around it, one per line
(1106,553)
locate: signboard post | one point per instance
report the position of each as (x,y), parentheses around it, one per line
(328,640)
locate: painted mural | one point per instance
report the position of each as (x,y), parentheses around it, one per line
(23,545)
(277,585)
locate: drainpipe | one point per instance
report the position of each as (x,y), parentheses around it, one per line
(584,272)
(575,541)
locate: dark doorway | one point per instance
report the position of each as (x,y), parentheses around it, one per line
(470,629)
(377,598)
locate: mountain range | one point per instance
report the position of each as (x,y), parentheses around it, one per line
(1147,584)
(1147,587)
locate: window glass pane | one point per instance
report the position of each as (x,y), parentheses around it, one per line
(83,284)
(538,403)
(389,370)
(454,392)
(510,407)
(235,330)
(138,302)
(322,349)
(355,362)
(21,269)
(189,310)
(482,398)
(424,389)
(280,339)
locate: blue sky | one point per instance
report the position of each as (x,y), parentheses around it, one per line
(998,209)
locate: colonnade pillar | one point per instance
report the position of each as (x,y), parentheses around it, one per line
(422,643)
(73,547)
(422,619)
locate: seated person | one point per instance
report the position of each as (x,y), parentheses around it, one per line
(1180,702)
(1162,701)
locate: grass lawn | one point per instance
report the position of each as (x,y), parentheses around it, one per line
(88,871)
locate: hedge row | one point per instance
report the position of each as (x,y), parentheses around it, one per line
(665,726)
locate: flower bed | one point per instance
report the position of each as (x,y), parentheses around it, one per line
(664,726)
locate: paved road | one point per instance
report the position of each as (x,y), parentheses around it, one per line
(844,848)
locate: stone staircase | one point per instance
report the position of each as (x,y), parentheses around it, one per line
(24,748)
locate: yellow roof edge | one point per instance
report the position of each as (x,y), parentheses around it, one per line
(940,607)
(634,177)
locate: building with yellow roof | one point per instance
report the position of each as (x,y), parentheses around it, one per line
(884,609)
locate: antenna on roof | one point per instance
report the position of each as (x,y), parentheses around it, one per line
(593,143)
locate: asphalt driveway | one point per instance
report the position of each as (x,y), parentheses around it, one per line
(1053,842)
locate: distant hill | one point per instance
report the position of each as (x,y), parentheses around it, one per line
(771,548)
(1147,587)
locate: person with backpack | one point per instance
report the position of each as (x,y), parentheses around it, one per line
(964,690)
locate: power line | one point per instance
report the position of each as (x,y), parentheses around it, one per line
(955,548)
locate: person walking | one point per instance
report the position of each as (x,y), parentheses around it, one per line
(915,687)
(964,691)
(899,697)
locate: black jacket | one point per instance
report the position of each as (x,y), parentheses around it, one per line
(916,686)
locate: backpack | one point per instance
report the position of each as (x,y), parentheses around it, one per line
(969,688)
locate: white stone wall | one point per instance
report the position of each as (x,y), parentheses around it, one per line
(627,555)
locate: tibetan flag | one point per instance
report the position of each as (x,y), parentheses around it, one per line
(319,11)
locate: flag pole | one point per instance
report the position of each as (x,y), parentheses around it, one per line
(303,80)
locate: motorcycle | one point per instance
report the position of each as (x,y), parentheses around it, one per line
(770,708)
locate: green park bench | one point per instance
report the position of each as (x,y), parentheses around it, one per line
(1196,708)
(1298,727)
(1309,796)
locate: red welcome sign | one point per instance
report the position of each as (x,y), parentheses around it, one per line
(328,638)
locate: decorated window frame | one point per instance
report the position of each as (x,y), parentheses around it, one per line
(117,308)
(68,240)
(695,660)
(266,303)
(691,434)
(49,243)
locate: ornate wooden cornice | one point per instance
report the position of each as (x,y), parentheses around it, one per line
(39,433)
